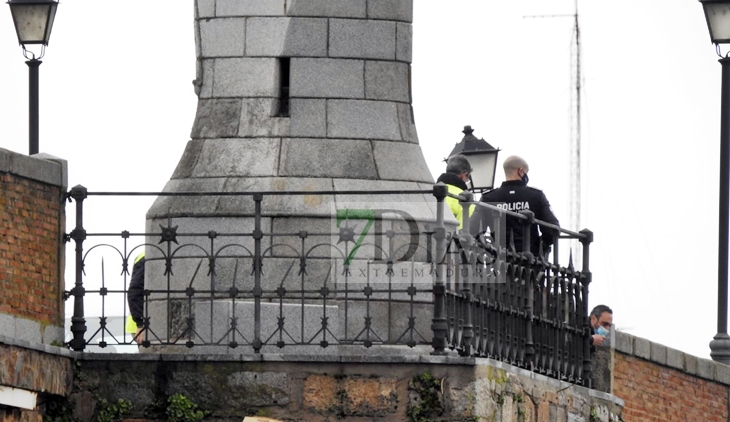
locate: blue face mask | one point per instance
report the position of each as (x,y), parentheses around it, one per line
(602,331)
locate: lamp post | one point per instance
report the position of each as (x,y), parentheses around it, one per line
(482,157)
(717,13)
(33,21)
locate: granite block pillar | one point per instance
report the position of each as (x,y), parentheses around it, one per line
(294,95)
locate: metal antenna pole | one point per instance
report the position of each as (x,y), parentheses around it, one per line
(575,125)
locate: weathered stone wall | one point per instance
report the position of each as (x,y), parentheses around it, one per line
(659,383)
(44,370)
(32,224)
(40,368)
(16,415)
(355,388)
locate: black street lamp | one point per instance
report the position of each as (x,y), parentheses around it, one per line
(482,157)
(33,21)
(717,13)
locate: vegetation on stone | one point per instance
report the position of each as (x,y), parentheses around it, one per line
(107,411)
(182,409)
(426,401)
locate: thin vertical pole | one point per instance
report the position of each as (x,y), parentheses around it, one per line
(33,115)
(257,292)
(586,278)
(468,267)
(78,323)
(529,288)
(438,323)
(720,345)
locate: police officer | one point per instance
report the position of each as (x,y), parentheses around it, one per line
(135,298)
(514,195)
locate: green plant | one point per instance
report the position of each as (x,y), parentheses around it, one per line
(266,413)
(182,409)
(427,403)
(58,409)
(595,414)
(499,399)
(111,411)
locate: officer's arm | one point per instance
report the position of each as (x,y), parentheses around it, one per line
(478,222)
(546,214)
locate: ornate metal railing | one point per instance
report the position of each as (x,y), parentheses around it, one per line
(397,281)
(492,300)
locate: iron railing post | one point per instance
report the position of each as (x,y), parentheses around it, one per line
(257,291)
(467,266)
(530,289)
(438,323)
(78,323)
(587,277)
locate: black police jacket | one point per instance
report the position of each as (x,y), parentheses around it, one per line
(516,196)
(135,294)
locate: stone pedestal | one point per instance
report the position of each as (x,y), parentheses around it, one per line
(294,95)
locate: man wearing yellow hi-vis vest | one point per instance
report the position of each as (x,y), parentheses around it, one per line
(135,298)
(457,174)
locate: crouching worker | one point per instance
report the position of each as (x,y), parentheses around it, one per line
(135,299)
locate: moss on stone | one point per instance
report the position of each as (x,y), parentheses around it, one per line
(426,401)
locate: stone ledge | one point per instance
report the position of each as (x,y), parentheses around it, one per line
(666,356)
(23,329)
(358,388)
(35,367)
(41,167)
(450,359)
(282,357)
(558,384)
(46,348)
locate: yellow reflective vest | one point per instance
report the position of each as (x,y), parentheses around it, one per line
(455,205)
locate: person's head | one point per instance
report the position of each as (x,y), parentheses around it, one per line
(515,168)
(602,316)
(460,166)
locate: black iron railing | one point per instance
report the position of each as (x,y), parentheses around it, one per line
(510,305)
(376,278)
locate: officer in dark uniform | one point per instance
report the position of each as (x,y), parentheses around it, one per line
(135,298)
(514,195)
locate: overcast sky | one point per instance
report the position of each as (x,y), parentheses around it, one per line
(117,102)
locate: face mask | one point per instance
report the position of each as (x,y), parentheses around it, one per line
(602,331)
(525,178)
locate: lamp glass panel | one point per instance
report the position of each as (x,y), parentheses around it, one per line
(31,22)
(718,18)
(483,169)
(51,18)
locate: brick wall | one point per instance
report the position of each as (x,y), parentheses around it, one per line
(32,222)
(661,384)
(653,392)
(29,267)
